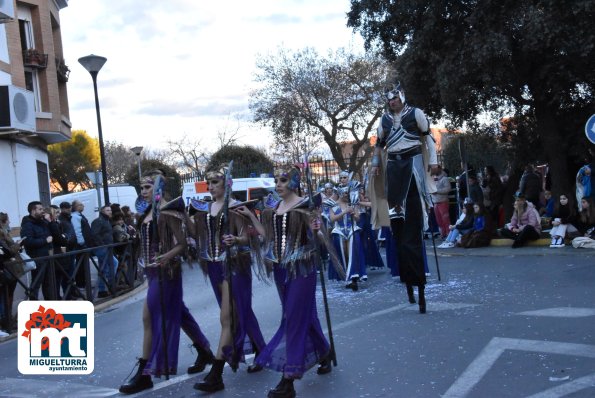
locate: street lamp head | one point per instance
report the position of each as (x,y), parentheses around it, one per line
(92,63)
(137,150)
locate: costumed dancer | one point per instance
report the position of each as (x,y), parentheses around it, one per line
(290,229)
(369,248)
(404,134)
(346,236)
(240,335)
(163,243)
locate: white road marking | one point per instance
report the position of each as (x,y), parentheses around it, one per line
(13,387)
(562,312)
(567,388)
(491,352)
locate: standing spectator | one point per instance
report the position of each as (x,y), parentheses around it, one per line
(564,213)
(38,243)
(530,186)
(59,243)
(102,230)
(475,192)
(525,224)
(84,238)
(440,199)
(9,250)
(493,193)
(65,219)
(583,184)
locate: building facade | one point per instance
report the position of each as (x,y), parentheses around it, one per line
(33,100)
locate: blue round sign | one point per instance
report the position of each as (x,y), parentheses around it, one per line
(590,129)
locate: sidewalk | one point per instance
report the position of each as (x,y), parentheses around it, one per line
(503,247)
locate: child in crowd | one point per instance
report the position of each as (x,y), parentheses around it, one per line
(463,225)
(481,234)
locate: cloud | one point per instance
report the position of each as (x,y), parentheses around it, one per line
(330,17)
(192,109)
(278,19)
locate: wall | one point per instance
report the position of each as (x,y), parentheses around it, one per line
(18,178)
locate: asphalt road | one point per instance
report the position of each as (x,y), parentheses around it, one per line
(500,323)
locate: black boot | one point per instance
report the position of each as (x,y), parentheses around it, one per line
(352,285)
(214,379)
(139,381)
(204,358)
(325,365)
(283,390)
(422,299)
(254,367)
(410,294)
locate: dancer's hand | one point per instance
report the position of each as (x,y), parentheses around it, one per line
(229,240)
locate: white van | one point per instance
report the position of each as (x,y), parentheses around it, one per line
(243,189)
(124,195)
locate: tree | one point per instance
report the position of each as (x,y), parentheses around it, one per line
(119,159)
(70,160)
(333,97)
(189,153)
(528,59)
(247,160)
(173,185)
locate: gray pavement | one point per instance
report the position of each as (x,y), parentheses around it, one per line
(502,323)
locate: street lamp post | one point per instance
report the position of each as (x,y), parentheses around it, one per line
(137,151)
(93,64)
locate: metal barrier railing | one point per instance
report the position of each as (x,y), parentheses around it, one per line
(126,277)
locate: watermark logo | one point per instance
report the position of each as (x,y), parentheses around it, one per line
(56,337)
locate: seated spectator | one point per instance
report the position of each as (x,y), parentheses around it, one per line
(481,234)
(547,210)
(585,223)
(525,224)
(583,184)
(463,225)
(563,216)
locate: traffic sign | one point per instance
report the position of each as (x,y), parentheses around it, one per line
(590,129)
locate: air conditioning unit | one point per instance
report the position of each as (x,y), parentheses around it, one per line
(17,109)
(6,10)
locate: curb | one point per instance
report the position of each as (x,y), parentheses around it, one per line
(98,307)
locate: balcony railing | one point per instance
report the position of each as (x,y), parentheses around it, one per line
(34,59)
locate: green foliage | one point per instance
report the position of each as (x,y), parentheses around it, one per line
(479,149)
(70,160)
(532,60)
(173,186)
(246,160)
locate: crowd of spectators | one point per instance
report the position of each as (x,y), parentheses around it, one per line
(56,230)
(536,213)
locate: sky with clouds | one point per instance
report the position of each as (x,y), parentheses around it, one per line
(185,67)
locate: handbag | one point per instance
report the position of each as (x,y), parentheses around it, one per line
(27,265)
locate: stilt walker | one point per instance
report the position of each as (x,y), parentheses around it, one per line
(404,134)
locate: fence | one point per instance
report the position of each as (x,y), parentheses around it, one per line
(323,170)
(127,276)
